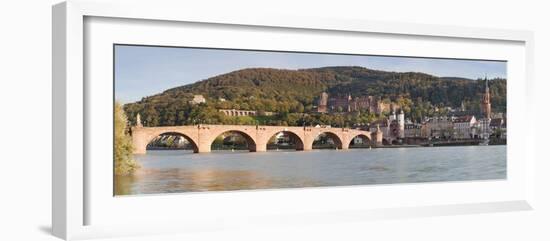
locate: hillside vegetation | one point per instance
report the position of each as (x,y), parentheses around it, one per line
(293,94)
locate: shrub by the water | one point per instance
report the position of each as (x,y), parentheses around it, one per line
(124,162)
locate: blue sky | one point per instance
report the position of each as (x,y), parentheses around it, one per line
(142,70)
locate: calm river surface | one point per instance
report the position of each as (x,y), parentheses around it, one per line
(170,171)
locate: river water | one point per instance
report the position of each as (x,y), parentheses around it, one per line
(174,171)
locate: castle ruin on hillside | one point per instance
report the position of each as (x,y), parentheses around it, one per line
(373,104)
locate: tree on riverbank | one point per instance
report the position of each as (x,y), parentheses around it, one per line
(124,162)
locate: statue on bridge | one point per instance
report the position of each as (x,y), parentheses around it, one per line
(138,121)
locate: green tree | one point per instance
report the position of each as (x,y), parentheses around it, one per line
(124,162)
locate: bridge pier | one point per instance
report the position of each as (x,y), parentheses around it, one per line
(139,149)
(376,138)
(203,148)
(308,146)
(139,140)
(261,148)
(345,146)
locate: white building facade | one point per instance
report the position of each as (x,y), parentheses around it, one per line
(464,127)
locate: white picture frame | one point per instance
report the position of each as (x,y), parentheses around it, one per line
(72,188)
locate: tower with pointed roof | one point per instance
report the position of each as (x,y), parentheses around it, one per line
(486,101)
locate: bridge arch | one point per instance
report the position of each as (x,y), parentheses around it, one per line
(156,136)
(250,141)
(365,141)
(293,140)
(336,139)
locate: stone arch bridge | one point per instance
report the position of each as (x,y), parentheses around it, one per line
(202,136)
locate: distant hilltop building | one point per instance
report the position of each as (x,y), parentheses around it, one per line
(197,99)
(328,103)
(486,101)
(234,112)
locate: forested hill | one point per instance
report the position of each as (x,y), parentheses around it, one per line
(296,91)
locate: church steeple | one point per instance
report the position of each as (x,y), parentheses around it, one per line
(486,100)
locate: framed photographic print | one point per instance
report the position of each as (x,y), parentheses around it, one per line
(272,119)
(176,121)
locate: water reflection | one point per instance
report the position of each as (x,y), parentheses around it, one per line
(123,184)
(181,171)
